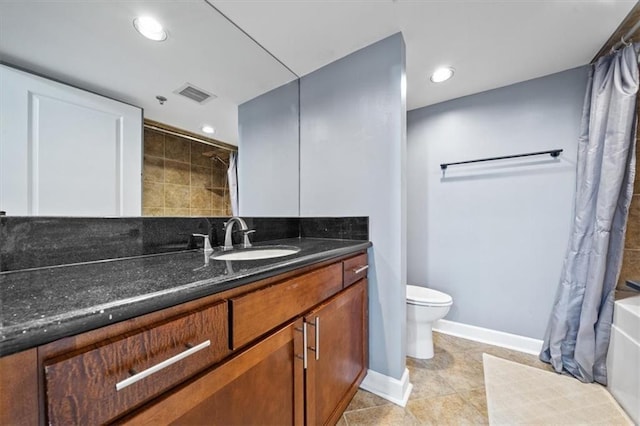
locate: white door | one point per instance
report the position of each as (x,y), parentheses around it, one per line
(66,152)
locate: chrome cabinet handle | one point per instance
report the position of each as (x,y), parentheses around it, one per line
(316,326)
(164,364)
(304,345)
(360,269)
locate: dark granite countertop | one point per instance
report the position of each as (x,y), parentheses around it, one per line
(41,305)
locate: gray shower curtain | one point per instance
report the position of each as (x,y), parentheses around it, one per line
(577,336)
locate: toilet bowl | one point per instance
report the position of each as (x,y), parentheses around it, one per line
(424,307)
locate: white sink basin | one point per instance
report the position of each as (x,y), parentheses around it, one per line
(256,253)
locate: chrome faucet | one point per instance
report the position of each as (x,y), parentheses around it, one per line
(228,229)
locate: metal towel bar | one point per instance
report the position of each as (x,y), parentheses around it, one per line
(554,153)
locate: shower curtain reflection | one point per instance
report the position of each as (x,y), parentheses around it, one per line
(232,177)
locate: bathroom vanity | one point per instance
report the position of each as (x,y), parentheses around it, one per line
(281,342)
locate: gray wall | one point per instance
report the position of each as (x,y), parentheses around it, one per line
(494,235)
(268,183)
(352,163)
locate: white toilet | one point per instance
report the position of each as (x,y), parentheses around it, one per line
(424,306)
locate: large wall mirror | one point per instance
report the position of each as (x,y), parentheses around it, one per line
(94,46)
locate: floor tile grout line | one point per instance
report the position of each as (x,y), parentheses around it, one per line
(345,418)
(368,408)
(415,418)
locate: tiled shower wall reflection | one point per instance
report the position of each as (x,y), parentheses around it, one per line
(179,180)
(631,259)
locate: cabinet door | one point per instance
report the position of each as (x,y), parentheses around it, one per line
(65,151)
(262,385)
(337,354)
(19,389)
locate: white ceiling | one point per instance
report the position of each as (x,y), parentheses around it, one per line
(489,43)
(92,44)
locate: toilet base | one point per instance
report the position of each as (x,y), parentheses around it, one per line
(420,340)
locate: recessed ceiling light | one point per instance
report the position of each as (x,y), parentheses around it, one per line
(442,74)
(208,129)
(150,28)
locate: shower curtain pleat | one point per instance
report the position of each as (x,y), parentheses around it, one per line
(577,336)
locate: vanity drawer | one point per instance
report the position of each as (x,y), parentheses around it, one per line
(91,387)
(256,313)
(355,268)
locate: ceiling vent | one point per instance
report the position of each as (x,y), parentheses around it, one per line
(194,93)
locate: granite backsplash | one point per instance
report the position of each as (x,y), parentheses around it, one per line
(32,242)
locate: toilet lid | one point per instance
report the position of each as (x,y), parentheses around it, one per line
(427,296)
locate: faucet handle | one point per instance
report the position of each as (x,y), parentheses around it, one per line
(246,232)
(207,243)
(243,231)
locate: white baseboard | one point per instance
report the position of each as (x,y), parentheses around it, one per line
(491,337)
(394,390)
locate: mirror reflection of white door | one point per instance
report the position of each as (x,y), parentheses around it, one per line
(65,151)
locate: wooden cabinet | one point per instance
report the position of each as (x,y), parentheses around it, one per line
(355,269)
(262,385)
(19,388)
(337,362)
(256,313)
(100,383)
(285,350)
(279,380)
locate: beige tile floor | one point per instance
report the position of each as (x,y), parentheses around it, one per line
(447,389)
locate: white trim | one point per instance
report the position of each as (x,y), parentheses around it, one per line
(394,390)
(486,335)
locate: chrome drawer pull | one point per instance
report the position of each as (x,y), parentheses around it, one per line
(164,364)
(316,348)
(317,327)
(304,344)
(360,269)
